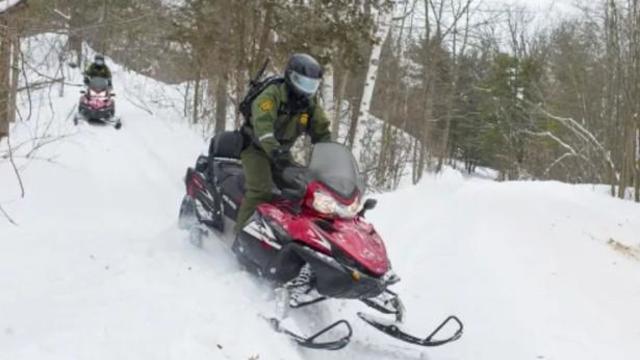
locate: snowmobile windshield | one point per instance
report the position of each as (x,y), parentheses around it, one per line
(333,165)
(98,84)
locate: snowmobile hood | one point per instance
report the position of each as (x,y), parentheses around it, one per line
(359,240)
(353,242)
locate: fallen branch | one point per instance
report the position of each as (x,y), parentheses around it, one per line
(40,144)
(13,165)
(7,216)
(42,84)
(140,105)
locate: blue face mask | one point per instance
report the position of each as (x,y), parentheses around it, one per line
(99,62)
(306,85)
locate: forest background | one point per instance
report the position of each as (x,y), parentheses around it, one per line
(411,86)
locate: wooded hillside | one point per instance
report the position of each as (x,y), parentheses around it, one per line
(462,83)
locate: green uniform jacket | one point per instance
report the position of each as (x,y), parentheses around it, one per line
(274,127)
(98,71)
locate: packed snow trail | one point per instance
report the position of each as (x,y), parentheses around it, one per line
(97,268)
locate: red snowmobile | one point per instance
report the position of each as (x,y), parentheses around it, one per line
(312,240)
(97,105)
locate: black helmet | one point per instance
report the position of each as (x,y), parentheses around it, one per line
(99,60)
(303,75)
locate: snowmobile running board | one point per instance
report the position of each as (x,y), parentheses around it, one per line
(391,328)
(310,342)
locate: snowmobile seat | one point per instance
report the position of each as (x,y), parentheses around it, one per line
(226,144)
(289,184)
(234,187)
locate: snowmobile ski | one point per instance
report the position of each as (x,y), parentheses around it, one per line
(311,341)
(387,303)
(392,328)
(116,122)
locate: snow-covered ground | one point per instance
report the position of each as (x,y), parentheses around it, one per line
(97,269)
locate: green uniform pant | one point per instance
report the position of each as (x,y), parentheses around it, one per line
(258,183)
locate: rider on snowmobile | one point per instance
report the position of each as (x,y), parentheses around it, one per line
(97,69)
(279,115)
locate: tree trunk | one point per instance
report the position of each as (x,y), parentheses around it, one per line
(14,74)
(221,103)
(415,177)
(385,161)
(339,96)
(444,144)
(356,99)
(624,174)
(75,34)
(5,60)
(328,91)
(196,100)
(383,26)
(240,90)
(635,23)
(353,120)
(424,127)
(637,156)
(241,65)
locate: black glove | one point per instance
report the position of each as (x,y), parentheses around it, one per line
(281,157)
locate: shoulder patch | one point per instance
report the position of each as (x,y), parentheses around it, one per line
(266,105)
(304,119)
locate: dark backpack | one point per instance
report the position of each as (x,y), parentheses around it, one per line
(255,89)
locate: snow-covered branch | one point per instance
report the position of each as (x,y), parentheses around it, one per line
(5,5)
(583,133)
(554,137)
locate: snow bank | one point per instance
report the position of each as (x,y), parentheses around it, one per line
(532,267)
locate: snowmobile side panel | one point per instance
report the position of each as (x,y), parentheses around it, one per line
(269,251)
(266,253)
(207,202)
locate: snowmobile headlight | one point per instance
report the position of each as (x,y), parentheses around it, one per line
(349,211)
(98,94)
(326,204)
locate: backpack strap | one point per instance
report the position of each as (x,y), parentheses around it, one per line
(254,91)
